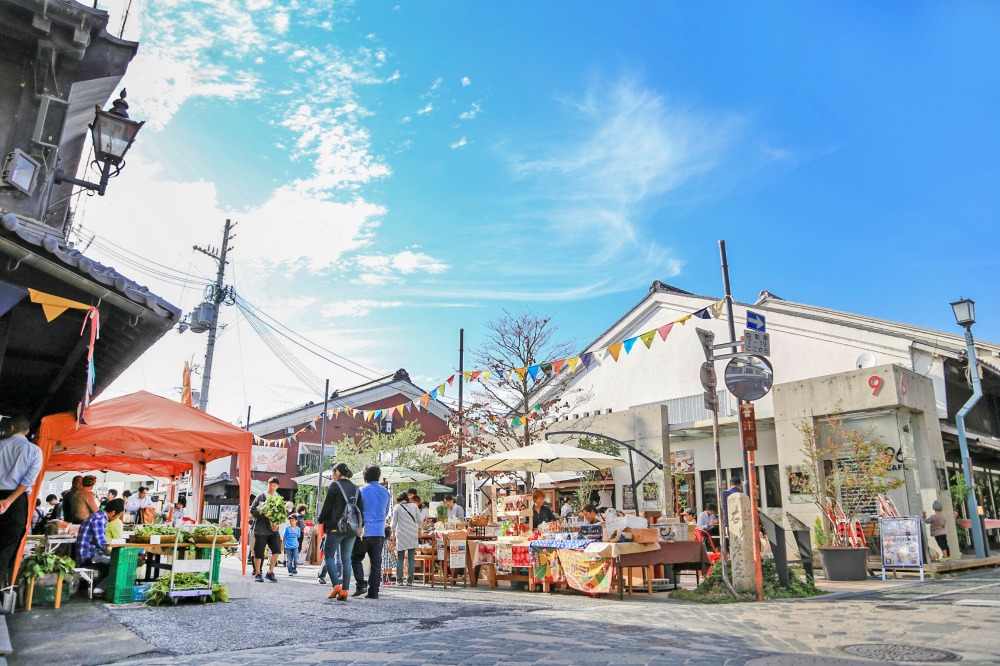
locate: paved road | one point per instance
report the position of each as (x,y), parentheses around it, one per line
(292,622)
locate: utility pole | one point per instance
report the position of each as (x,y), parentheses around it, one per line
(733,349)
(219,294)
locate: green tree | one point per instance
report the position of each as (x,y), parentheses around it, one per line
(590,481)
(404,447)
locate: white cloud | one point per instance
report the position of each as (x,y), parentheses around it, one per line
(426,109)
(466,81)
(356,308)
(280,22)
(471,113)
(461,143)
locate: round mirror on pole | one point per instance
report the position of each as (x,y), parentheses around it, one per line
(749,377)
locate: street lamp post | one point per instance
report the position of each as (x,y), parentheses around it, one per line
(965,315)
(112,134)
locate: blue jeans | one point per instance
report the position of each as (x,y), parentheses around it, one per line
(292,559)
(337,558)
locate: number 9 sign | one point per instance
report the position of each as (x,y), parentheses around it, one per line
(875,384)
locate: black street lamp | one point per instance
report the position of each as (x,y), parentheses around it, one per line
(965,316)
(112,133)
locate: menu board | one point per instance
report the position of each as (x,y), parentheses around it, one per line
(901,542)
(456,554)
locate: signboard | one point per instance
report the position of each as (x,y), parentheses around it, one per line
(902,546)
(756,342)
(682,462)
(748,427)
(229,515)
(628,498)
(269,459)
(755,322)
(456,554)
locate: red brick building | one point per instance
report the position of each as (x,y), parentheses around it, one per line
(383,393)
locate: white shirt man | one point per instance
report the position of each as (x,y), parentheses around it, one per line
(567,509)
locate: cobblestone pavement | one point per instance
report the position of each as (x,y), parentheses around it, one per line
(292,622)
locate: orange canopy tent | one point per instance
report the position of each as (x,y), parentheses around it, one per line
(142,433)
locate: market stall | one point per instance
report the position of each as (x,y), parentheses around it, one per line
(142,433)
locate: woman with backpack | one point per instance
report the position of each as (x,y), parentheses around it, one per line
(343,521)
(406,531)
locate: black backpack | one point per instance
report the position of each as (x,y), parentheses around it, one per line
(352,522)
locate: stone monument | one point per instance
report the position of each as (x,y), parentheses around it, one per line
(741,537)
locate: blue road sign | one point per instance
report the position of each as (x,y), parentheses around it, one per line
(755,322)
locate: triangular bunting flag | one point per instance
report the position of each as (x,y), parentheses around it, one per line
(312,426)
(702,314)
(451,380)
(664,330)
(409,407)
(628,344)
(533,372)
(586,358)
(295,437)
(473,376)
(486,375)
(647,338)
(425,398)
(615,350)
(716,308)
(516,423)
(558,365)
(571,362)
(377,415)
(467,375)
(683,320)
(399,409)
(546,368)
(538,407)
(521,372)
(52,305)
(440,390)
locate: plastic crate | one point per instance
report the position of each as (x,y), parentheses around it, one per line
(121,575)
(141,592)
(204,553)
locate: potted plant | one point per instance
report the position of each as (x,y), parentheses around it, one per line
(42,573)
(846,468)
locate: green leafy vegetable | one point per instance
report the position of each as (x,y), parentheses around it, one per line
(41,564)
(274,510)
(159,591)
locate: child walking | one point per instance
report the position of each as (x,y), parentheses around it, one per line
(939,527)
(292,546)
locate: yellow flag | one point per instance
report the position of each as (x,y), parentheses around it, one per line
(682,320)
(399,409)
(571,362)
(521,372)
(647,338)
(53,306)
(615,350)
(486,375)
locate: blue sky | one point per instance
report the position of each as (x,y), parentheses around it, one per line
(401,170)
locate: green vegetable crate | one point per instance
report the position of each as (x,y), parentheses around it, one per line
(121,576)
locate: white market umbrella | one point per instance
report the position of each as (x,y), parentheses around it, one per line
(545,457)
(390,474)
(395,474)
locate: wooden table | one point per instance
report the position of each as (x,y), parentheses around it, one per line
(676,554)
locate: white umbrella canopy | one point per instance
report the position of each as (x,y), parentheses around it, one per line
(545,457)
(390,474)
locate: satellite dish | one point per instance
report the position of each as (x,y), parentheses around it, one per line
(866,360)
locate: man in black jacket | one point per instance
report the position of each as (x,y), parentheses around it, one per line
(265,535)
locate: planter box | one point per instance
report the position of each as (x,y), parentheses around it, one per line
(845,563)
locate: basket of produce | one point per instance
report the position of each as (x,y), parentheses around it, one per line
(206,536)
(479,521)
(145,533)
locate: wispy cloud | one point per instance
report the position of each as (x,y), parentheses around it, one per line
(356,308)
(461,143)
(427,108)
(466,81)
(472,113)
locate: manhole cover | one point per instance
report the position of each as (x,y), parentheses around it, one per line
(892,652)
(628,628)
(897,607)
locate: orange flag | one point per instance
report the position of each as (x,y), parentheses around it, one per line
(615,350)
(186,397)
